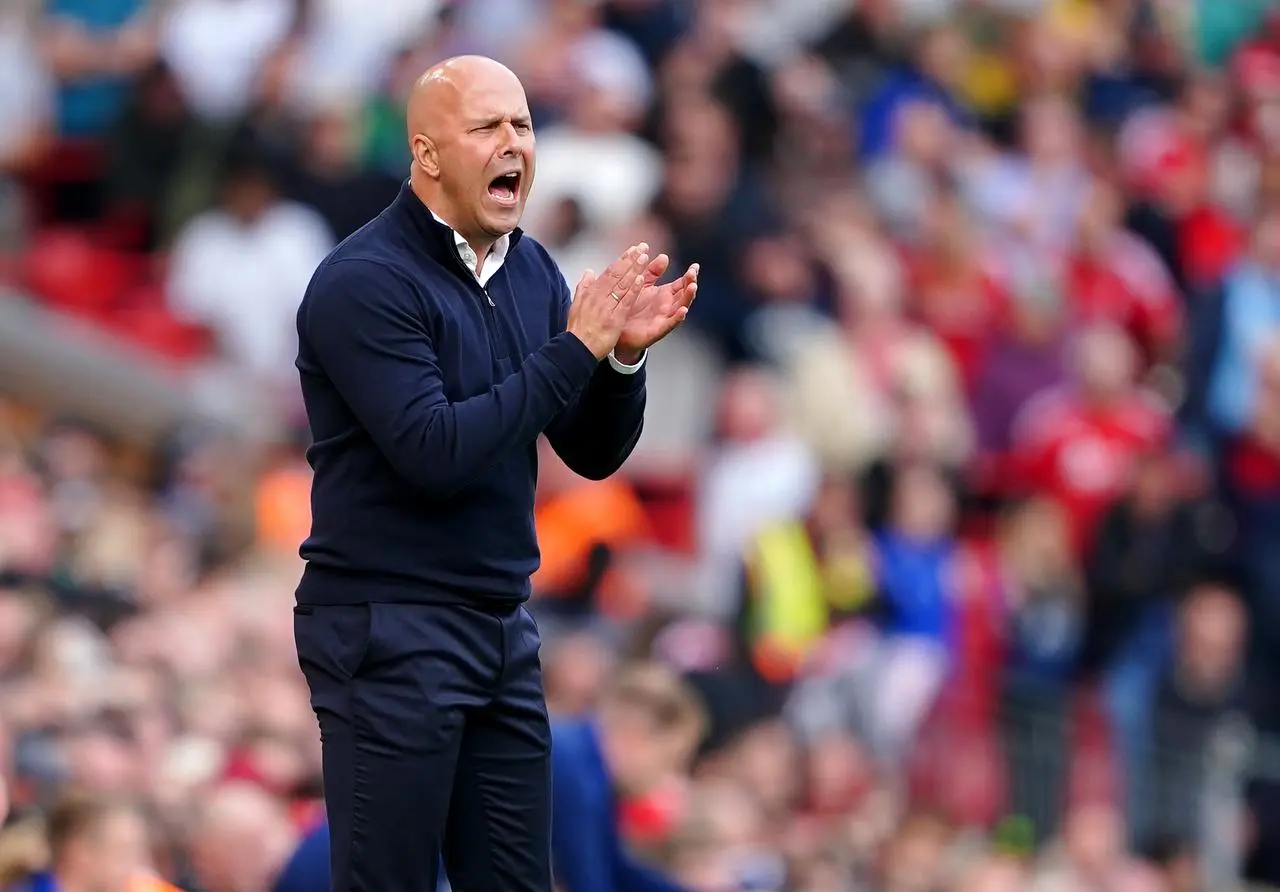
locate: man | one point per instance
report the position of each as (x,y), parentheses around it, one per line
(241,838)
(435,345)
(649,725)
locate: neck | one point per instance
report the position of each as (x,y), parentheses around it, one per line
(482,244)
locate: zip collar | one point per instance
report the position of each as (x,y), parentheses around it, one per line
(437,238)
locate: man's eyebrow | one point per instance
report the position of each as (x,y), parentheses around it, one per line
(494,120)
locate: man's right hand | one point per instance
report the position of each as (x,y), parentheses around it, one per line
(602,304)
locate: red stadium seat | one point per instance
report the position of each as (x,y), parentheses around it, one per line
(159,332)
(147,296)
(70,272)
(669,502)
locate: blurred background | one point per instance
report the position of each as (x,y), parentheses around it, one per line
(959,498)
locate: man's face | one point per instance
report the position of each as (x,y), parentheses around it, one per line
(486,154)
(248,196)
(639,754)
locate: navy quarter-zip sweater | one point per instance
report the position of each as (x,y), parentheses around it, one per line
(426,393)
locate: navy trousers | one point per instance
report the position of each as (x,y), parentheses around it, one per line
(435,743)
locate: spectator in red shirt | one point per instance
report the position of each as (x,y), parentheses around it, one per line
(1195,235)
(1115,276)
(954,292)
(1208,239)
(1077,444)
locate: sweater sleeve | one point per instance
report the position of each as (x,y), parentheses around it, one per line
(596,433)
(378,352)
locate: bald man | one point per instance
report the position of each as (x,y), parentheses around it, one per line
(435,346)
(241,838)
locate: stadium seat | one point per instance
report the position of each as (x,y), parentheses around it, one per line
(148,295)
(70,272)
(669,503)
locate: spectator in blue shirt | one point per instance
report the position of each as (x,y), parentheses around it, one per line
(307,869)
(1250,317)
(646,731)
(94,48)
(932,76)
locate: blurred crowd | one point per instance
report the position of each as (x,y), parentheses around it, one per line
(959,505)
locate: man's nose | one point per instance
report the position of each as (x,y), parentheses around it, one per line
(511,140)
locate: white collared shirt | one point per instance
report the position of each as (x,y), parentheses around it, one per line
(493,262)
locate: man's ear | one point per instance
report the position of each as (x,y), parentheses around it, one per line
(425,155)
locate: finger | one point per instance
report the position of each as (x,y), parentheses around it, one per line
(614,272)
(678,300)
(632,284)
(584,283)
(690,289)
(656,269)
(669,324)
(635,264)
(690,276)
(681,292)
(634,290)
(628,264)
(686,299)
(619,267)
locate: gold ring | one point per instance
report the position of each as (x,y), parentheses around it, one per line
(614,295)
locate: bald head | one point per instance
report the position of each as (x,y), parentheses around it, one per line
(239,808)
(439,93)
(471,135)
(241,838)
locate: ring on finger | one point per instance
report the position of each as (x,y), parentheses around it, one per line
(615,296)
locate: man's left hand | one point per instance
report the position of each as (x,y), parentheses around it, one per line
(658,310)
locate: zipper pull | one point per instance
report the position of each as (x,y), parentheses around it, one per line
(487,297)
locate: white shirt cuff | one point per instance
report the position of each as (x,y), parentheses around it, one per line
(622,368)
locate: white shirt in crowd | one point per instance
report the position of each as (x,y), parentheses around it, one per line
(245,281)
(349,44)
(217,48)
(747,487)
(612,176)
(26,90)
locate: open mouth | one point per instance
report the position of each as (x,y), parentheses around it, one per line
(505,188)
